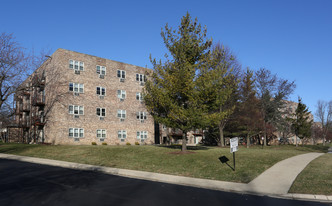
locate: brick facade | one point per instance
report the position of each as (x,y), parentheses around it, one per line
(56,98)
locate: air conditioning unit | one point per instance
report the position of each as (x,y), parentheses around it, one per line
(142,120)
(122,120)
(101,118)
(76,94)
(101,76)
(121,99)
(101,140)
(101,97)
(77,72)
(76,139)
(76,116)
(122,79)
(142,84)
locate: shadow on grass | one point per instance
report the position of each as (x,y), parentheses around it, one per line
(224,159)
(188,147)
(315,148)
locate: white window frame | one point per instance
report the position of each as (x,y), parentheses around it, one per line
(101,133)
(77,88)
(139,96)
(140,77)
(101,70)
(141,115)
(76,65)
(73,108)
(101,91)
(122,114)
(76,132)
(142,135)
(122,134)
(121,94)
(121,74)
(101,112)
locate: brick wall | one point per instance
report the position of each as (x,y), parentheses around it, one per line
(58,77)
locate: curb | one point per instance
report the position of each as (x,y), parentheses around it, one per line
(171,179)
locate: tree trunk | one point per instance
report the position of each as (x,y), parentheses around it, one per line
(221,135)
(184,141)
(265,133)
(296,141)
(324,139)
(248,140)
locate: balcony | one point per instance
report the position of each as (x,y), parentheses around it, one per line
(38,100)
(24,122)
(26,93)
(38,81)
(39,121)
(26,107)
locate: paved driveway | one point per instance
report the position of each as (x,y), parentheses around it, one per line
(23,183)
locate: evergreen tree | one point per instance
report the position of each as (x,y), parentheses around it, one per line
(301,124)
(248,113)
(171,94)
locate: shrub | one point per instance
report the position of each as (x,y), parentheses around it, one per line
(93,143)
(128,143)
(104,143)
(136,143)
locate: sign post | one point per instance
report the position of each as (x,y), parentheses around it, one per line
(234,145)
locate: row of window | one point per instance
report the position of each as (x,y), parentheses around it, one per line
(101,134)
(101,91)
(101,112)
(101,70)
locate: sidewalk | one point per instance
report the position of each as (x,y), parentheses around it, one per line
(274,182)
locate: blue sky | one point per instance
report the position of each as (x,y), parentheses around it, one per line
(292,38)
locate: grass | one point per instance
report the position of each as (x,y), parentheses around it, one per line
(203,162)
(316,178)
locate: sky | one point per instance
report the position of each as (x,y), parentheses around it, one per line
(291,38)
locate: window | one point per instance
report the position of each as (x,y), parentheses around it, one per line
(122,134)
(101,70)
(121,74)
(74,87)
(139,96)
(77,65)
(101,91)
(76,132)
(121,114)
(101,133)
(76,110)
(121,94)
(101,112)
(142,135)
(140,78)
(141,115)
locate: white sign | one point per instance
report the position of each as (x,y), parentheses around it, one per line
(234,142)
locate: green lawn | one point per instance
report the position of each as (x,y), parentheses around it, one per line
(202,163)
(316,178)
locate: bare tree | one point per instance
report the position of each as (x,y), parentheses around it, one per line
(271,91)
(13,67)
(324,116)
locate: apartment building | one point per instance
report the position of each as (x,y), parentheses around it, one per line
(75,98)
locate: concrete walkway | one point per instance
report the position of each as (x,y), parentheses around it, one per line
(279,178)
(274,182)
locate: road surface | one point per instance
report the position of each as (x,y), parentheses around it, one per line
(23,183)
